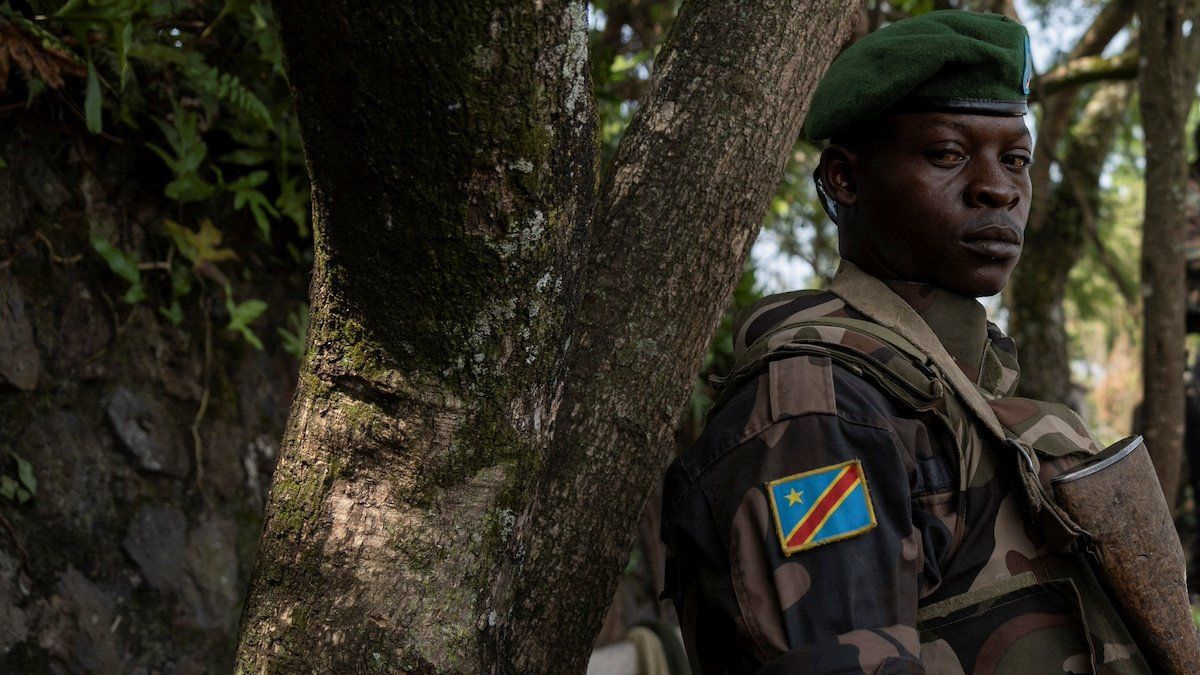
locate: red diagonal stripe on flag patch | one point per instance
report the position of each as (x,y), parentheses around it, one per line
(816,517)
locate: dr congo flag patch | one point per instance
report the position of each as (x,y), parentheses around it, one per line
(821,506)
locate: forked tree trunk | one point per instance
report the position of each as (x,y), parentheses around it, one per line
(480,418)
(1170,50)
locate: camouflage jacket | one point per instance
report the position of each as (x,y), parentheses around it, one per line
(824,524)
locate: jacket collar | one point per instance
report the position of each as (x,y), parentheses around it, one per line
(985,355)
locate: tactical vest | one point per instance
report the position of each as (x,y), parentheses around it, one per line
(913,374)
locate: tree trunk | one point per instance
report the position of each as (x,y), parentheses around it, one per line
(692,179)
(1167,87)
(1035,293)
(1051,251)
(452,152)
(422,517)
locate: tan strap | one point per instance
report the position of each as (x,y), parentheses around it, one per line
(917,385)
(879,303)
(874,330)
(876,301)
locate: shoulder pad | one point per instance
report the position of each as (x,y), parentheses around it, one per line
(865,348)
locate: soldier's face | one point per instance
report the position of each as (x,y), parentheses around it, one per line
(943,199)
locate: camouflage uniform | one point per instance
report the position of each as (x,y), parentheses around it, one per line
(953,576)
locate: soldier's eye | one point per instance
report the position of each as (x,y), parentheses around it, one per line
(945,155)
(1018,161)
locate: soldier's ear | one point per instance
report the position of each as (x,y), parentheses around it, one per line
(838,172)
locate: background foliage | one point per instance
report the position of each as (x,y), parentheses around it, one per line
(198,87)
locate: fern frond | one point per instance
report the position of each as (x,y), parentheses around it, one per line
(210,81)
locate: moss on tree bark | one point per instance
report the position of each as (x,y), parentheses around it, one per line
(492,382)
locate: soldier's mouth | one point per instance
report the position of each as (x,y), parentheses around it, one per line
(996,240)
(993,248)
(1001,232)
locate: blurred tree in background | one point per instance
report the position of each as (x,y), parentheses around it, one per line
(155,251)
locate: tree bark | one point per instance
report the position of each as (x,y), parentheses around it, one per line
(1170,50)
(452,150)
(423,517)
(692,180)
(1037,322)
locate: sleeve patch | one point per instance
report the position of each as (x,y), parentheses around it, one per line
(821,506)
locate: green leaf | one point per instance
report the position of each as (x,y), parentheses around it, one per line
(134,295)
(198,246)
(245,157)
(91,102)
(187,154)
(295,339)
(250,180)
(174,313)
(157,55)
(161,8)
(188,188)
(245,312)
(123,38)
(245,195)
(25,473)
(124,265)
(36,86)
(294,202)
(214,85)
(260,208)
(166,157)
(181,281)
(69,8)
(623,63)
(257,208)
(241,315)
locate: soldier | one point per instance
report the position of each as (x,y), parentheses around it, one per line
(844,510)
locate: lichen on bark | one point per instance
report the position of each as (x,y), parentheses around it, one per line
(499,408)
(446,257)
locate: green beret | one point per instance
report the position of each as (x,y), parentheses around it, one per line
(948,60)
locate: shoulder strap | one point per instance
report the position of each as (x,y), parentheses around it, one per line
(878,353)
(873,298)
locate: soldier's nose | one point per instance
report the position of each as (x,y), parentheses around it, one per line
(992,192)
(998,199)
